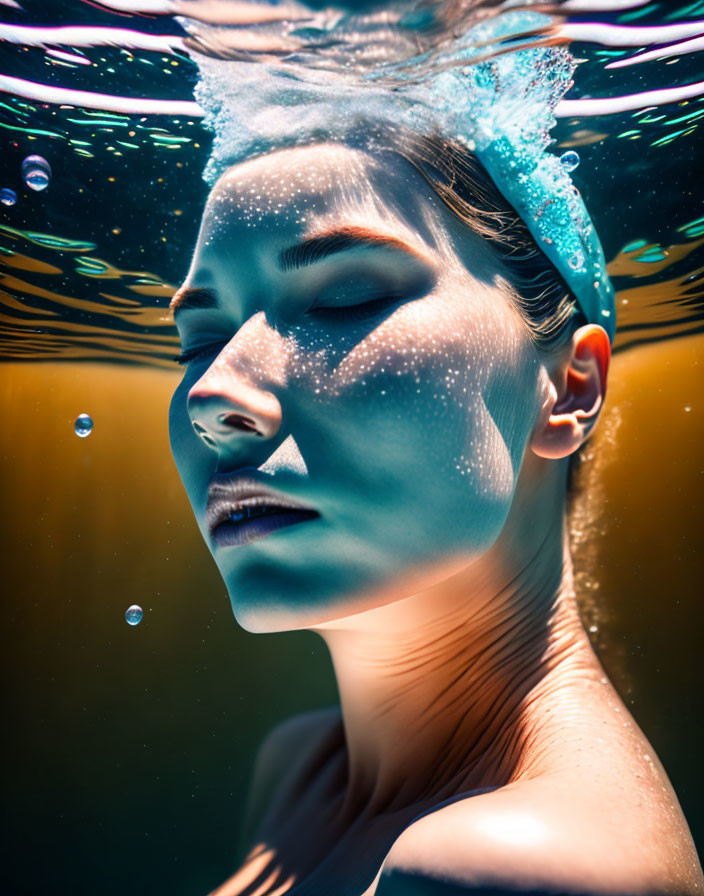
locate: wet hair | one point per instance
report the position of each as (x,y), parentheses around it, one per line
(455,174)
(548,308)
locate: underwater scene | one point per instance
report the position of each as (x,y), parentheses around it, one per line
(135,704)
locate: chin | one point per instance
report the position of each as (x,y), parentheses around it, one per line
(271,597)
(267,596)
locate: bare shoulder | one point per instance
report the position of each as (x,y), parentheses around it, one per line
(540,837)
(283,752)
(294,734)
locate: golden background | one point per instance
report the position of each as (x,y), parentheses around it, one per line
(136,743)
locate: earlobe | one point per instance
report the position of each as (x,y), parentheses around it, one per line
(574,395)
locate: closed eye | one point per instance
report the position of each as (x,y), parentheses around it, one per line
(199,354)
(358,312)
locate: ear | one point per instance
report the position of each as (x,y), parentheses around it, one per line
(576,387)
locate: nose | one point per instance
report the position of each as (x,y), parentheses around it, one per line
(226,409)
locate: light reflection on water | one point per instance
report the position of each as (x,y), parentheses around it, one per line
(87,269)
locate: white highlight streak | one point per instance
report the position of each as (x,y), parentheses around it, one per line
(603,5)
(679,49)
(625,36)
(80,36)
(154,6)
(82,98)
(580,108)
(68,57)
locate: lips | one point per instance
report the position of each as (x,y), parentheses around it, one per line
(242,507)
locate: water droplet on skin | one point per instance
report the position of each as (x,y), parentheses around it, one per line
(134,614)
(569,160)
(8,196)
(36,173)
(83,426)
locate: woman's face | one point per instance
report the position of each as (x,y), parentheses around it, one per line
(359,389)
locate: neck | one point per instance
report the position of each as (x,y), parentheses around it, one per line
(443,692)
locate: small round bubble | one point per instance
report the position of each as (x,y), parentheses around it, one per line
(576,261)
(134,614)
(8,196)
(569,160)
(36,172)
(83,426)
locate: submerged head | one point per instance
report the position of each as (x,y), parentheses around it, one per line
(364,343)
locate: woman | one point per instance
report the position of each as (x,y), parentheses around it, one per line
(375,435)
(388,368)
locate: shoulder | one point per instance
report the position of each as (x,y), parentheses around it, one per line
(293,734)
(536,838)
(285,749)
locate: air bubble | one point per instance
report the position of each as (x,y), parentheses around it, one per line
(576,261)
(8,196)
(83,426)
(569,160)
(134,614)
(36,173)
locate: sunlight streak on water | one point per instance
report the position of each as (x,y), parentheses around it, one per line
(50,308)
(359,44)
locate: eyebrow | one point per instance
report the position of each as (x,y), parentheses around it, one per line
(322,246)
(308,252)
(193,299)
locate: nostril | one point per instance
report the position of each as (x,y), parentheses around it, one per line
(238,421)
(202,433)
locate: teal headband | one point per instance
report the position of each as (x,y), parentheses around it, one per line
(549,204)
(496,102)
(502,109)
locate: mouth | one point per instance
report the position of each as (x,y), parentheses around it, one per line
(241,509)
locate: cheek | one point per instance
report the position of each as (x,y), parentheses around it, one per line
(429,409)
(178,420)
(194,460)
(435,367)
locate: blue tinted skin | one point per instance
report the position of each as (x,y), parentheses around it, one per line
(392,387)
(395,388)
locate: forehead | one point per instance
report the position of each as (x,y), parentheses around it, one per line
(288,175)
(307,188)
